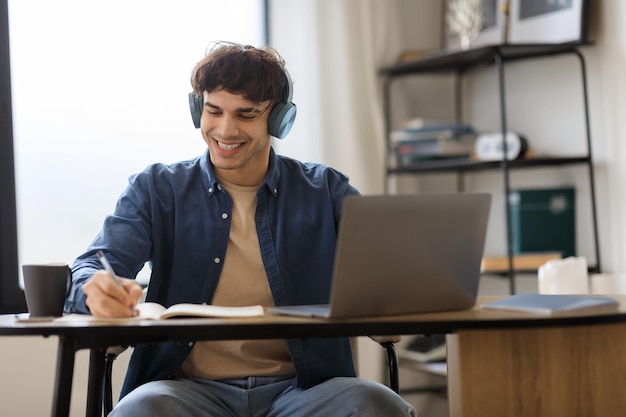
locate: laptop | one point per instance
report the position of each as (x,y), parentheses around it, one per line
(405,254)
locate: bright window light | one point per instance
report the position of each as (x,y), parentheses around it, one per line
(99,92)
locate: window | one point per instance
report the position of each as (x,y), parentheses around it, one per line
(99,92)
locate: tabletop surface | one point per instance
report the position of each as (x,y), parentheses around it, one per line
(109,332)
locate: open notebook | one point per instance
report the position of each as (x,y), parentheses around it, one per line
(405,254)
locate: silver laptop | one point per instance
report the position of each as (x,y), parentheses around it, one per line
(405,254)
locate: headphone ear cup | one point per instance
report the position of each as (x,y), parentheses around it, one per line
(281,119)
(195,106)
(284,113)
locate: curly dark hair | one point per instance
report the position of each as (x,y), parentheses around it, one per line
(258,74)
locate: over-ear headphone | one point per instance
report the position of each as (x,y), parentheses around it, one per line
(280,120)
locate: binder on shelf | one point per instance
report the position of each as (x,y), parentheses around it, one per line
(543,220)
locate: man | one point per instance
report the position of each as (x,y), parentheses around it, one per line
(237,226)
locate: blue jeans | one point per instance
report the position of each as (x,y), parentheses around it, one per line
(262,397)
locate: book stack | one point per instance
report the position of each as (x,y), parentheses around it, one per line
(429,140)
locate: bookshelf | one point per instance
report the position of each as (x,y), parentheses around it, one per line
(459,64)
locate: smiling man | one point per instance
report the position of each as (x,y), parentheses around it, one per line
(236,226)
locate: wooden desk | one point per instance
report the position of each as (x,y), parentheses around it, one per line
(564,370)
(499,364)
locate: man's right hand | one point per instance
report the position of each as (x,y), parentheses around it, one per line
(106,299)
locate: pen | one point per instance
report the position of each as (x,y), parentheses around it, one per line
(107,266)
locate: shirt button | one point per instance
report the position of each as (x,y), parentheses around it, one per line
(224,216)
(217,260)
(190,344)
(219,187)
(211,189)
(275,191)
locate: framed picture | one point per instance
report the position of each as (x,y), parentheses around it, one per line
(492,27)
(548,21)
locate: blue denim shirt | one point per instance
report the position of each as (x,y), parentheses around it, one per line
(177,217)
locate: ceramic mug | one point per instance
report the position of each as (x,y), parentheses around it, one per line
(46,286)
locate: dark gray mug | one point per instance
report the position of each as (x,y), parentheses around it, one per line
(45,288)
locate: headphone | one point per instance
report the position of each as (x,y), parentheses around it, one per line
(280,120)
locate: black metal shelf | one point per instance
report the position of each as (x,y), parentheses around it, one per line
(447,60)
(458,62)
(466,165)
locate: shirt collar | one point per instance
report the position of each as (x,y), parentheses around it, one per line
(273,174)
(270,182)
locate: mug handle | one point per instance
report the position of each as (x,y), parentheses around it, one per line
(68,284)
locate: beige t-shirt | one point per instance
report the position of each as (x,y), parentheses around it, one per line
(242,282)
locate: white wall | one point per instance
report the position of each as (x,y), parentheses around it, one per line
(327,45)
(27,369)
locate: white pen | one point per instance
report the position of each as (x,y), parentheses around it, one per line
(107,266)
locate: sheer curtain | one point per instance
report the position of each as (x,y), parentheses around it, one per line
(334,50)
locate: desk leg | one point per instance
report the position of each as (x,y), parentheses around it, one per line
(572,371)
(96,378)
(63,378)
